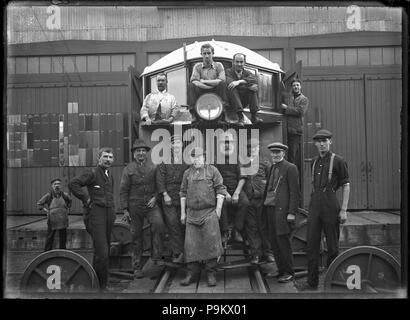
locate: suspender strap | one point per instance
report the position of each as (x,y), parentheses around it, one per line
(332,158)
(313,170)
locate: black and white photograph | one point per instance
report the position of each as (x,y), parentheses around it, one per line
(205,150)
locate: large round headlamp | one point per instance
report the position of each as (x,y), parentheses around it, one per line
(209,106)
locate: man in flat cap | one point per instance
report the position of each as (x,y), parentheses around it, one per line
(202,194)
(295,108)
(255,222)
(281,201)
(99,213)
(329,173)
(56,203)
(138,199)
(169,178)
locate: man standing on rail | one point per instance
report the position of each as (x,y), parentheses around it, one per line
(242,89)
(202,194)
(295,108)
(329,173)
(169,179)
(138,199)
(235,206)
(255,222)
(99,209)
(281,199)
(56,203)
(159,107)
(207,76)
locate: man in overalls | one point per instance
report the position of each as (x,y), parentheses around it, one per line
(169,178)
(138,199)
(329,173)
(99,205)
(56,203)
(202,194)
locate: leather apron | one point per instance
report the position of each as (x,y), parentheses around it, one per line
(202,235)
(57,214)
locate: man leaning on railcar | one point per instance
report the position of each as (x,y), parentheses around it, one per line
(99,209)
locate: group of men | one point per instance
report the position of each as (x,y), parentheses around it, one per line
(204,206)
(237,88)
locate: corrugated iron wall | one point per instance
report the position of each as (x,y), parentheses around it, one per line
(94,115)
(29,24)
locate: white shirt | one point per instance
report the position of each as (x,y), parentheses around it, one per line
(151,102)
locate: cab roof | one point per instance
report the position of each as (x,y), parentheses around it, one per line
(223,49)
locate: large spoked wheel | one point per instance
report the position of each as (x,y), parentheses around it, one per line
(59,271)
(363,269)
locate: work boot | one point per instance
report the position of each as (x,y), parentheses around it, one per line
(305,286)
(221,119)
(241,122)
(255,119)
(285,278)
(211,279)
(188,279)
(194,116)
(179,258)
(225,238)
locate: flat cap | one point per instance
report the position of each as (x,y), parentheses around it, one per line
(54,180)
(323,133)
(139,143)
(197,151)
(278,146)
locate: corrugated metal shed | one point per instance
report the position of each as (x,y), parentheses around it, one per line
(29,24)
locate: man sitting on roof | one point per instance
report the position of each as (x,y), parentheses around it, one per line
(207,76)
(242,89)
(159,107)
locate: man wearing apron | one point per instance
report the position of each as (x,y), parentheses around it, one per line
(99,206)
(329,173)
(169,178)
(58,202)
(202,195)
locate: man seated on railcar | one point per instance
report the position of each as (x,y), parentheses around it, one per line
(159,107)
(242,89)
(207,76)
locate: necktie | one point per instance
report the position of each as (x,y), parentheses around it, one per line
(158,113)
(275,177)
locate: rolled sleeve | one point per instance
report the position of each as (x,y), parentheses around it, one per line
(184,185)
(249,77)
(174,107)
(218,182)
(343,174)
(43,201)
(220,70)
(196,73)
(144,108)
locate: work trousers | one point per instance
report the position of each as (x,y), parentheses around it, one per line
(323,216)
(101,220)
(256,229)
(234,213)
(157,227)
(294,151)
(172,216)
(62,237)
(241,96)
(195,267)
(280,244)
(195,92)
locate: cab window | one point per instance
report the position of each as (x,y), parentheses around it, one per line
(176,84)
(265,89)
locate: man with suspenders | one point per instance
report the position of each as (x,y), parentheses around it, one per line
(329,173)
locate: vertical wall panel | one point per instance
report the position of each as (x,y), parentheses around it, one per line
(341,104)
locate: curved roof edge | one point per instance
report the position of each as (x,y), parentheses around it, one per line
(222,50)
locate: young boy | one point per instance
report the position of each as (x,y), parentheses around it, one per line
(56,203)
